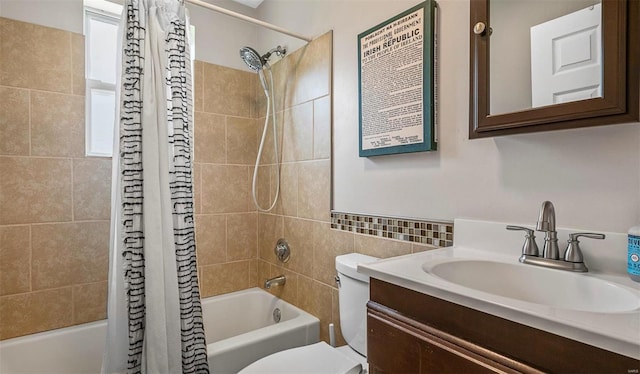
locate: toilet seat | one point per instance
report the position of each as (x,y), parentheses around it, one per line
(319,358)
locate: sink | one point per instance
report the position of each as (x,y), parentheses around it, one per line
(537,285)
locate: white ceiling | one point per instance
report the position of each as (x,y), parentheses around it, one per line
(252,3)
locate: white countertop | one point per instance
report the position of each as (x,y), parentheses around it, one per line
(617,331)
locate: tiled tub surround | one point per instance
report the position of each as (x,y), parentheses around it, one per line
(54,201)
(54,216)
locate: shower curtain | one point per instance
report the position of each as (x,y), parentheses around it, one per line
(154,311)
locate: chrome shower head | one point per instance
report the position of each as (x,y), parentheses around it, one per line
(252,58)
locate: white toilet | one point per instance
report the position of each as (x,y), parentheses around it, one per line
(321,358)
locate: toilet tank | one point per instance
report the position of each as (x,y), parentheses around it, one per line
(353,294)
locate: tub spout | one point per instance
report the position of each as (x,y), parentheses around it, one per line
(279,280)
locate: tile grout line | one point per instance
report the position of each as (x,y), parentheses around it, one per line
(71,63)
(72,191)
(313,129)
(202,84)
(62,222)
(201,191)
(30,130)
(226,239)
(43,290)
(249,272)
(38,90)
(226,140)
(30,258)
(73,309)
(64,157)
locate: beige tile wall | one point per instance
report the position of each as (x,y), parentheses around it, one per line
(54,201)
(225,150)
(302,215)
(54,220)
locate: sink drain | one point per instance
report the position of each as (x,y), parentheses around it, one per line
(277,315)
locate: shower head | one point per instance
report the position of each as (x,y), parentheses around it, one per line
(252,58)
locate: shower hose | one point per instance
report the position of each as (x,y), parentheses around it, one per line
(270,102)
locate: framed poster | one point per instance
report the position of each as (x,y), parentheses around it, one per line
(396,84)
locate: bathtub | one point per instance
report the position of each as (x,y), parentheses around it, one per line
(239,327)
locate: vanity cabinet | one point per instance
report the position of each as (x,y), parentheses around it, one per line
(410,332)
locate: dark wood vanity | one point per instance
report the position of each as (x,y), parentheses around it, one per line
(411,332)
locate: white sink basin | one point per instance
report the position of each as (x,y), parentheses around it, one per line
(554,288)
(481,271)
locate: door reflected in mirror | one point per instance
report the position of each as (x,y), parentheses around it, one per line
(544,53)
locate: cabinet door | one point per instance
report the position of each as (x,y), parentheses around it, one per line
(520,347)
(395,347)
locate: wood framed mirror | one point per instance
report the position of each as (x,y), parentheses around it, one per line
(612,50)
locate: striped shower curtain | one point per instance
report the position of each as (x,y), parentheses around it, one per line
(154,312)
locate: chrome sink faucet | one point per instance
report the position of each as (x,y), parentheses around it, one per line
(572,259)
(547,224)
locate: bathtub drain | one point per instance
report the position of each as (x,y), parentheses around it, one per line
(276,315)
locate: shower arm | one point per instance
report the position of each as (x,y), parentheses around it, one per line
(279,51)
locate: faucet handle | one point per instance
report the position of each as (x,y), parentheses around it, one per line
(529,247)
(521,228)
(573,252)
(574,237)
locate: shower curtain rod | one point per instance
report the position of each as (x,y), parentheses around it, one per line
(248,19)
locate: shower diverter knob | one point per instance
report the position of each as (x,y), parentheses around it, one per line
(282,250)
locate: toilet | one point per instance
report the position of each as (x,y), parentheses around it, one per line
(321,358)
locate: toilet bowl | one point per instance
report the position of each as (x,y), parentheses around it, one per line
(321,358)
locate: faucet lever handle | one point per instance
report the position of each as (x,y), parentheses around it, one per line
(573,252)
(592,235)
(521,228)
(529,247)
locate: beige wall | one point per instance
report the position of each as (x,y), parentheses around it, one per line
(54,201)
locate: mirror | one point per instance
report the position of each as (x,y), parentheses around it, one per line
(538,65)
(551,50)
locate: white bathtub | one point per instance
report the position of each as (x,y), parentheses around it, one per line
(239,327)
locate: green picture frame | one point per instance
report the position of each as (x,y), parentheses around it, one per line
(397,106)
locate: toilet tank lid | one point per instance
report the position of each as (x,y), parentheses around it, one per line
(348,264)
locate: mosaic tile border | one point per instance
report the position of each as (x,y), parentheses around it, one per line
(436,233)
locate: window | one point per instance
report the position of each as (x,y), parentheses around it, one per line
(101,20)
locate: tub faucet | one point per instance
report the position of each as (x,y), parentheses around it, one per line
(547,224)
(279,280)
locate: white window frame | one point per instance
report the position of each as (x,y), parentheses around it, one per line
(102,11)
(109,12)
